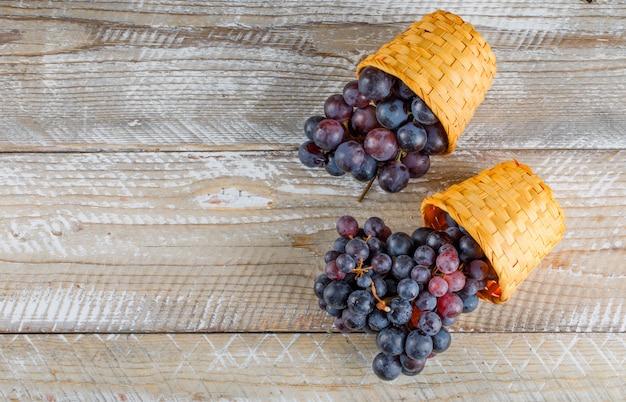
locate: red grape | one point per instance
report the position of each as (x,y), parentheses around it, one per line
(381,144)
(336,108)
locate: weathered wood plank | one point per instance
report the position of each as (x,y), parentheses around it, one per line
(491,367)
(127,75)
(232,241)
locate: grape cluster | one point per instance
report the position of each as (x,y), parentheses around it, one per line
(377,127)
(404,288)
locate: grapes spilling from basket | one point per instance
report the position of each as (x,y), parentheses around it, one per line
(406,289)
(376,128)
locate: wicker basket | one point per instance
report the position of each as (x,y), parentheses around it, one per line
(511,213)
(445,62)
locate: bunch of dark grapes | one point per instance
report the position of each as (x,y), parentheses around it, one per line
(377,127)
(404,288)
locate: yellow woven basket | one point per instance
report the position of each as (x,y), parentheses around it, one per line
(445,62)
(511,213)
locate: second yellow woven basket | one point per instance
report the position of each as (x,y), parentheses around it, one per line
(511,213)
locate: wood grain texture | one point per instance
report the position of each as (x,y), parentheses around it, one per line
(232,241)
(174,76)
(490,367)
(159,238)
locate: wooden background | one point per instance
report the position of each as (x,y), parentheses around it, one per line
(159,237)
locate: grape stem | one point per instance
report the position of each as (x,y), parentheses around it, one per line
(360,270)
(366,189)
(381,305)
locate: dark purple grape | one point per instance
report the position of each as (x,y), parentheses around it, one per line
(437,239)
(374,226)
(425,301)
(336,294)
(381,263)
(441,341)
(375,84)
(402,91)
(347,226)
(470,302)
(332,168)
(357,249)
(449,221)
(402,266)
(381,144)
(386,367)
(469,249)
(399,243)
(437,140)
(361,302)
(411,137)
(367,171)
(400,313)
(363,281)
(350,156)
(421,274)
(473,286)
(425,255)
(352,320)
(311,155)
(320,284)
(364,120)
(331,255)
(393,177)
(411,367)
(377,320)
(336,108)
(310,124)
(418,346)
(345,263)
(408,289)
(353,96)
(340,244)
(454,232)
(421,112)
(386,233)
(417,163)
(477,269)
(429,323)
(328,134)
(420,235)
(390,340)
(332,311)
(375,245)
(392,113)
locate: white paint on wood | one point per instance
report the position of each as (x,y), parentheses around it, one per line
(230,240)
(117,80)
(157,241)
(307,366)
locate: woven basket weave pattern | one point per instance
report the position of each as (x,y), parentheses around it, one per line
(445,62)
(511,213)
